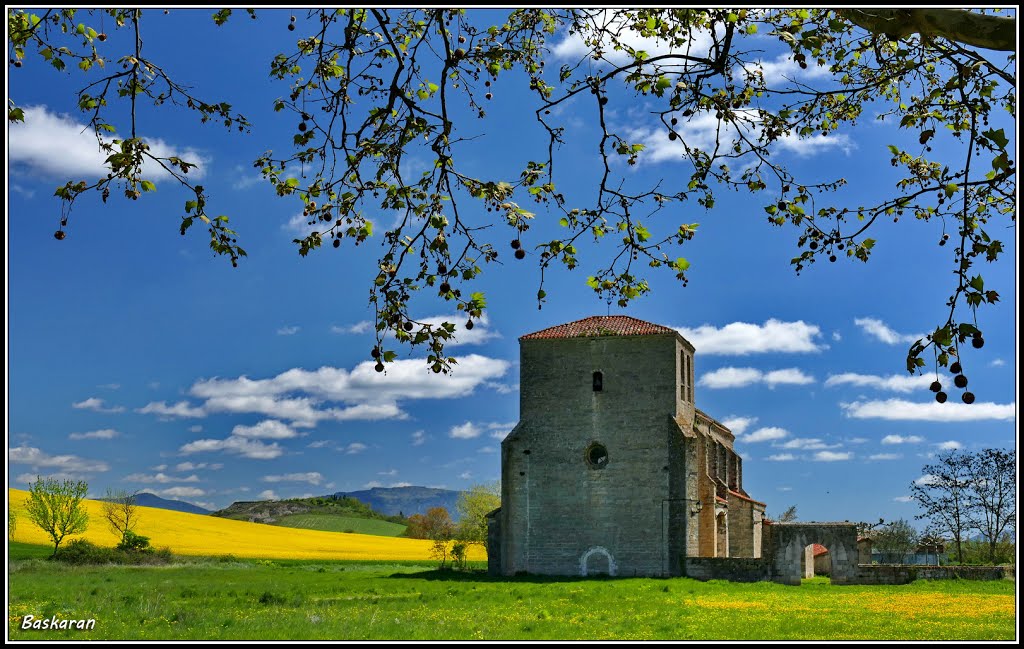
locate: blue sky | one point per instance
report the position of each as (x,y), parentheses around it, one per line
(138,361)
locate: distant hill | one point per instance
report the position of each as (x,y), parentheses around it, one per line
(405,500)
(325,513)
(146,499)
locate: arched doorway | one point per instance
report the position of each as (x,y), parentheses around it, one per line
(793,551)
(597,561)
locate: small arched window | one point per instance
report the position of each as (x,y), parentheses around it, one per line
(598,381)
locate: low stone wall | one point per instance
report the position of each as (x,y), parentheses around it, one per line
(705,568)
(904,574)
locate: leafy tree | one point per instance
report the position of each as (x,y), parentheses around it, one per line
(435,524)
(57,508)
(12,522)
(895,540)
(943,493)
(369,88)
(992,496)
(472,507)
(121,513)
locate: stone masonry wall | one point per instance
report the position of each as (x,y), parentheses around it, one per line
(560,515)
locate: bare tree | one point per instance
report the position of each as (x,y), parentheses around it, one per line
(895,540)
(121,512)
(943,492)
(992,496)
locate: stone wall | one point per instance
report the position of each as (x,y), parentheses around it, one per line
(904,574)
(745,570)
(562,515)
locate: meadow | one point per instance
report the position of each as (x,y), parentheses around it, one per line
(225,599)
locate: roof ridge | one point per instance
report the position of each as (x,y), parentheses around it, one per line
(601,325)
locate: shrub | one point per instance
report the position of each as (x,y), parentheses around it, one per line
(82,552)
(133,542)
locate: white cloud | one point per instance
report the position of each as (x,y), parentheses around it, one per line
(395,485)
(741,338)
(784,68)
(739,424)
(765,434)
(58,145)
(190,466)
(195,429)
(896,383)
(904,499)
(784,488)
(178,492)
(354,448)
(266,429)
(288,331)
(106,433)
(312,477)
(249,448)
(68,464)
(951,445)
(781,457)
(572,45)
(321,443)
(881,331)
(832,456)
(418,437)
(885,456)
(161,478)
(96,405)
(268,494)
(468,430)
(487,449)
(900,439)
(180,409)
(373,395)
(806,443)
(390,473)
(480,333)
(466,475)
(373,484)
(737,377)
(361,327)
(997,362)
(927,479)
(897,409)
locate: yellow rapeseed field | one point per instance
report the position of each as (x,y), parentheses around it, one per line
(196,534)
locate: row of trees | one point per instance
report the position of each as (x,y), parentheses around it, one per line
(452,540)
(965,494)
(57,508)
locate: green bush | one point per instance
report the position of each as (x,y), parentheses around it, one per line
(133,542)
(82,552)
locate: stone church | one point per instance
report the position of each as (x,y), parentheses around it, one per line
(612,469)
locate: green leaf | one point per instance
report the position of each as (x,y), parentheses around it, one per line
(148,186)
(999,137)
(564,222)
(977,283)
(951,189)
(682,263)
(390,356)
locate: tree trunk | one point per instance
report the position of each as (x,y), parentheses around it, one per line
(968,27)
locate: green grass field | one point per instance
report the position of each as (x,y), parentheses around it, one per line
(334,523)
(227,599)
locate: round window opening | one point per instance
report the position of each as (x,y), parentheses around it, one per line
(597,456)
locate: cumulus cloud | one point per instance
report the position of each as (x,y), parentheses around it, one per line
(904,499)
(468,430)
(605,22)
(312,477)
(193,466)
(195,429)
(179,492)
(900,439)
(161,478)
(738,377)
(288,331)
(885,456)
(268,494)
(418,438)
(266,429)
(354,448)
(164,411)
(249,448)
(96,405)
(832,456)
(899,410)
(951,445)
(806,443)
(480,333)
(766,434)
(57,145)
(371,395)
(106,433)
(895,382)
(68,464)
(781,457)
(742,338)
(739,424)
(881,331)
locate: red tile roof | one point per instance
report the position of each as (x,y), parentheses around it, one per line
(601,325)
(819,550)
